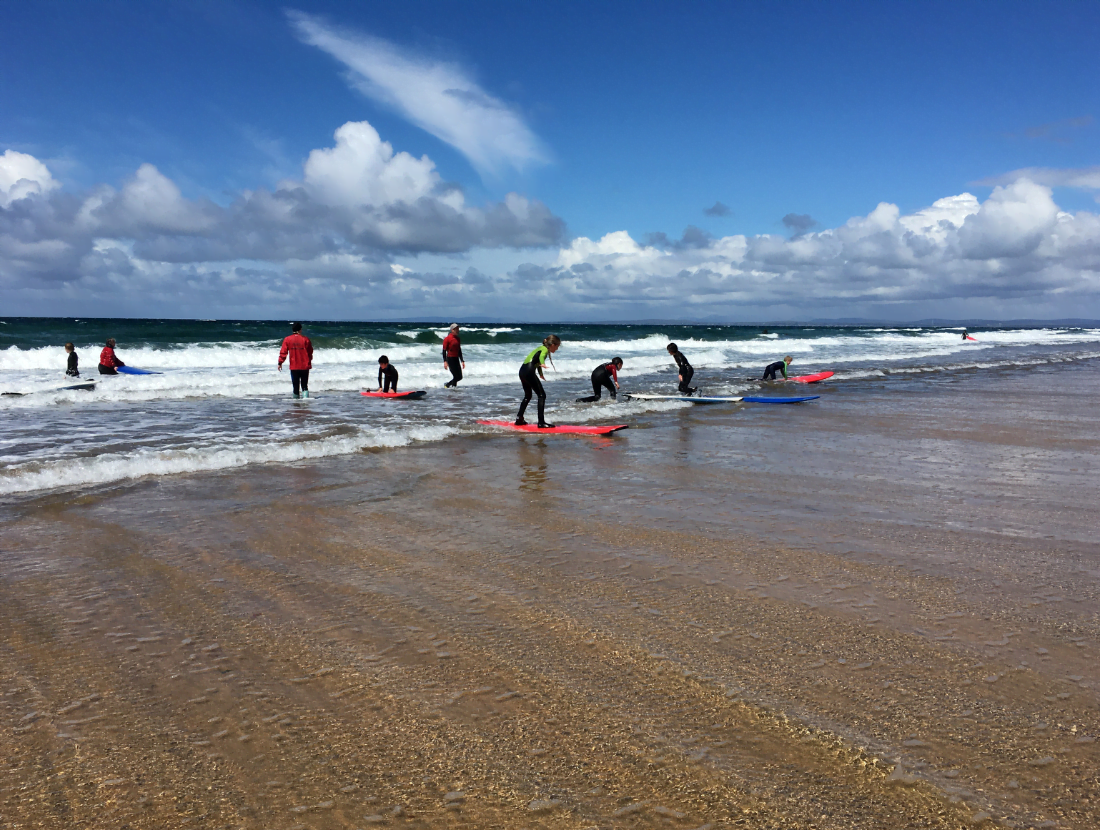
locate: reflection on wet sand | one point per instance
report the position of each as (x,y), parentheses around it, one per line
(828,618)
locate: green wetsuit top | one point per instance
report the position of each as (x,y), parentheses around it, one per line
(538,357)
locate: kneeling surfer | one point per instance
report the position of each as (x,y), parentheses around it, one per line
(604,375)
(529,375)
(685,370)
(778,366)
(387,375)
(108,360)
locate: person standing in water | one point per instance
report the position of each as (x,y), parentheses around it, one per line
(300,349)
(530,374)
(604,375)
(778,366)
(74,362)
(108,360)
(387,375)
(452,357)
(966,335)
(686,372)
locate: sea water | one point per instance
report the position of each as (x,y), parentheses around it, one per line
(220,403)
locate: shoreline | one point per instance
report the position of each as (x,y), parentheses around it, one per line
(881,615)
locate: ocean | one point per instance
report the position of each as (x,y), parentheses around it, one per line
(219,402)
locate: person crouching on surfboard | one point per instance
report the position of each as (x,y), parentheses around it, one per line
(686,371)
(604,375)
(530,373)
(387,375)
(108,360)
(300,349)
(778,366)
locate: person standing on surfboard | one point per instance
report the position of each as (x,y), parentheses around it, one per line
(387,375)
(529,375)
(300,349)
(686,370)
(73,371)
(604,375)
(778,366)
(108,360)
(452,357)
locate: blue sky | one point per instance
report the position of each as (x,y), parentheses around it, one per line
(624,117)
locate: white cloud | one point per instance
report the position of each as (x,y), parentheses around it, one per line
(22,175)
(1087,178)
(438,97)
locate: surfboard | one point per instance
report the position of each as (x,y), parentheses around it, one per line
(781,400)
(566,429)
(419,393)
(131,370)
(813,378)
(968,337)
(685,398)
(84,385)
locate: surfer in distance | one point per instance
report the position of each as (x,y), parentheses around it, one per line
(685,370)
(300,349)
(452,357)
(530,374)
(966,334)
(606,375)
(73,371)
(108,360)
(387,375)
(778,366)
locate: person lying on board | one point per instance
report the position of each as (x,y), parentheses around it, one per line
(778,366)
(108,360)
(686,371)
(387,375)
(74,362)
(604,375)
(529,375)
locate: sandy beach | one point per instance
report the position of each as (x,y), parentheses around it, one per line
(871,611)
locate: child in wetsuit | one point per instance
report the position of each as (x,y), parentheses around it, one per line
(108,360)
(778,366)
(686,370)
(604,375)
(74,369)
(530,373)
(387,375)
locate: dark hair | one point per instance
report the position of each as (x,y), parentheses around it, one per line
(551,340)
(69,346)
(383,359)
(296,327)
(672,349)
(110,342)
(618,361)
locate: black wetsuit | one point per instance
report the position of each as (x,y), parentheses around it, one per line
(601,379)
(73,371)
(686,373)
(778,366)
(529,377)
(389,374)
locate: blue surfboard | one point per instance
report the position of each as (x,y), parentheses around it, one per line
(130,370)
(781,400)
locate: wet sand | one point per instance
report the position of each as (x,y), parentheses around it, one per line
(872,611)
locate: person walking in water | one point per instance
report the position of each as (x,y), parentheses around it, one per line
(300,349)
(452,357)
(778,366)
(73,371)
(604,375)
(529,375)
(387,375)
(685,370)
(108,360)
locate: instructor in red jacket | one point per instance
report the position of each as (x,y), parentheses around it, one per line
(301,360)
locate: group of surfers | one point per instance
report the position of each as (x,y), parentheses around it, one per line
(297,350)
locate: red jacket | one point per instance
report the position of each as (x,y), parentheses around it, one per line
(452,346)
(107,358)
(300,349)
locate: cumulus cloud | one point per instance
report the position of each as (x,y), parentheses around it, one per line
(439,97)
(357,206)
(718,209)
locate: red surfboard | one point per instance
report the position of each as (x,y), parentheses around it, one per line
(968,337)
(420,393)
(568,429)
(813,378)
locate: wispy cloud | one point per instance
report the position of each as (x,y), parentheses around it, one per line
(438,97)
(1086,178)
(1060,132)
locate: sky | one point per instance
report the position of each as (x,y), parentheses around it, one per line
(582,161)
